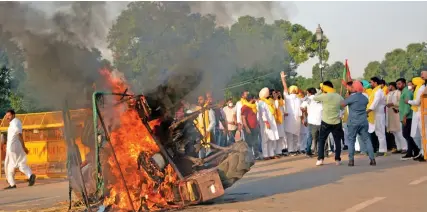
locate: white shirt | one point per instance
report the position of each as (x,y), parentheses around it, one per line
(417,102)
(239,112)
(211,120)
(293,108)
(378,104)
(229,116)
(314,111)
(15,128)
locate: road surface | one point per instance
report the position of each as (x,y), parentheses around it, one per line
(291,184)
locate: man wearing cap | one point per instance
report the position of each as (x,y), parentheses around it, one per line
(268,127)
(331,121)
(293,119)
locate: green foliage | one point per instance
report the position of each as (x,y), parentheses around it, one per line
(399,63)
(150,40)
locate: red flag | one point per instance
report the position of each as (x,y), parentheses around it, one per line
(346,77)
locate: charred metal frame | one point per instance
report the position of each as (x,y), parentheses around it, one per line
(195,178)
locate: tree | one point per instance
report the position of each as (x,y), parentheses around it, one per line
(373,69)
(399,63)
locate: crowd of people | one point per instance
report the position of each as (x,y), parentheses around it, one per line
(373,118)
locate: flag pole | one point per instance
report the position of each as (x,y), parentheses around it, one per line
(344,76)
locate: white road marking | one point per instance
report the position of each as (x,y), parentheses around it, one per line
(416,182)
(364,204)
(29,201)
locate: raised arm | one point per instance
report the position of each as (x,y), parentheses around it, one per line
(285,86)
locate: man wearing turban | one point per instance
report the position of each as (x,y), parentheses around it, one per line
(419,82)
(268,126)
(357,123)
(292,122)
(331,121)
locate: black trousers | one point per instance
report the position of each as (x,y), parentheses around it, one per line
(413,149)
(391,143)
(337,133)
(375,142)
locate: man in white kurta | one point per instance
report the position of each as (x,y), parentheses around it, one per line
(268,126)
(293,120)
(281,142)
(378,106)
(393,119)
(16,152)
(416,116)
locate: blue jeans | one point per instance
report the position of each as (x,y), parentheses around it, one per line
(365,138)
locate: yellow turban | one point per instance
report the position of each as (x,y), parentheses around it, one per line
(418,81)
(264,93)
(326,88)
(293,89)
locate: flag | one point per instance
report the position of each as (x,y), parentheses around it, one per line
(346,77)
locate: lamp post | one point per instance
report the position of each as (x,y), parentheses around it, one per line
(319,38)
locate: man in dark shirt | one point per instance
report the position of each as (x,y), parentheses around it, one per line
(357,122)
(250,125)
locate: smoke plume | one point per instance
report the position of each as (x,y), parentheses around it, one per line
(227,13)
(59,48)
(64,44)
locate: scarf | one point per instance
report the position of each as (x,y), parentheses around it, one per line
(327,89)
(248,104)
(371,115)
(202,123)
(279,115)
(418,81)
(271,107)
(385,90)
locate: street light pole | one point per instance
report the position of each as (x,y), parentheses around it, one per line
(319,38)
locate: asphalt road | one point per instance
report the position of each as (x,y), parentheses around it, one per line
(291,184)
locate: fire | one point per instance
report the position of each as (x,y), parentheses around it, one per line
(129,140)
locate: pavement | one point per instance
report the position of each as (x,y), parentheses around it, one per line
(290,184)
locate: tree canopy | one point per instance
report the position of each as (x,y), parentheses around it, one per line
(151,40)
(406,63)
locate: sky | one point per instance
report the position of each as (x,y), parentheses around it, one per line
(361,31)
(358,31)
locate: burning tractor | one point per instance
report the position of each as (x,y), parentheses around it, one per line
(142,161)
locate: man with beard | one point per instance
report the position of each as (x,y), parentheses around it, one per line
(393,119)
(419,82)
(293,120)
(239,104)
(357,123)
(331,121)
(250,125)
(376,105)
(205,122)
(279,104)
(16,152)
(268,127)
(405,115)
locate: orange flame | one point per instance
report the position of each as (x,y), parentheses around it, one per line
(129,140)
